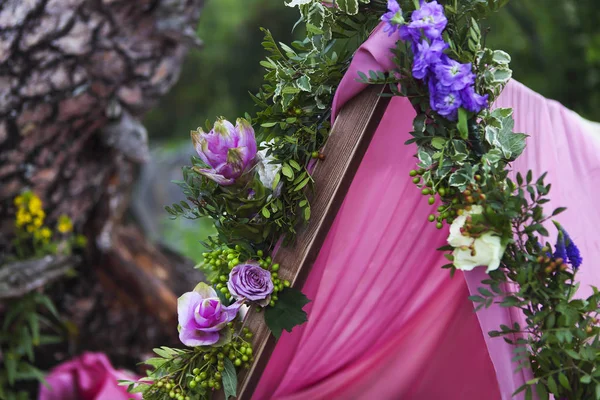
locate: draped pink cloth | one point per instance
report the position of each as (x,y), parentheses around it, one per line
(385,321)
(87,377)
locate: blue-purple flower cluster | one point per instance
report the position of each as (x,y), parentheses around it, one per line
(451,84)
(566,249)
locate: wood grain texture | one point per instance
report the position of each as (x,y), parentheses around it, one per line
(348,142)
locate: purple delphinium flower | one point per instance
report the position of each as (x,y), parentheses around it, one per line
(453,74)
(573,253)
(472,101)
(560,250)
(444,100)
(393,18)
(430,19)
(426,55)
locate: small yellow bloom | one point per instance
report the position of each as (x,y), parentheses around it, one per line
(65,225)
(27,218)
(37,222)
(30,228)
(18,201)
(35,204)
(46,233)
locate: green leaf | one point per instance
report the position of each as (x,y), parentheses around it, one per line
(316,14)
(266,213)
(287,312)
(463,129)
(542,391)
(586,379)
(303,83)
(502,75)
(501,57)
(295,165)
(552,385)
(562,378)
(268,124)
(350,7)
(287,171)
(438,142)
(229,378)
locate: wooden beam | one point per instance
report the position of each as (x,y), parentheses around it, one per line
(348,142)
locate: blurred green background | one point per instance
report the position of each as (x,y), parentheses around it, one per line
(555,46)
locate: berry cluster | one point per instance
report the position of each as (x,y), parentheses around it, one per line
(203,372)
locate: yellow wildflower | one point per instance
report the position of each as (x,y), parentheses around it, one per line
(65,225)
(46,233)
(37,222)
(19,201)
(35,204)
(30,228)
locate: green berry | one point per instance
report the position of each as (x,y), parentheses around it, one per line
(259,253)
(442,191)
(223,278)
(196,371)
(168,386)
(219,286)
(272,303)
(416,180)
(171,394)
(425,192)
(159,383)
(439,225)
(286,283)
(217,375)
(274,275)
(224,290)
(235,261)
(192,384)
(431,218)
(431,200)
(237,362)
(245,358)
(217,385)
(315,154)
(412,172)
(275,267)
(238,247)
(203,375)
(220,368)
(204,384)
(197,379)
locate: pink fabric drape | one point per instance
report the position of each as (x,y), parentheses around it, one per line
(87,377)
(386,322)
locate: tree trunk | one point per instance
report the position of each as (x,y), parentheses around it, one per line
(75,78)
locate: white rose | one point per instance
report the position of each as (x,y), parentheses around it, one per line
(488,252)
(470,252)
(266,170)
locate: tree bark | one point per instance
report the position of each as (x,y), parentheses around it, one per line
(75,78)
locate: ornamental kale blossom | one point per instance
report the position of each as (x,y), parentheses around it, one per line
(429,20)
(393,18)
(229,151)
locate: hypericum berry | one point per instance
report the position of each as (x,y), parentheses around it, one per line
(439,225)
(237,362)
(412,172)
(315,154)
(425,192)
(192,384)
(416,180)
(442,191)
(431,200)
(259,253)
(431,218)
(275,267)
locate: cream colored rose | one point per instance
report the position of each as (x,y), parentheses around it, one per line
(486,250)
(266,170)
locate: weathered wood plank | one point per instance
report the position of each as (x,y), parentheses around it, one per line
(350,137)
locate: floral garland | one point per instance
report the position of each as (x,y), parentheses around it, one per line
(256,197)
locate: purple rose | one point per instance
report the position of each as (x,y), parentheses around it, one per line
(250,281)
(202,316)
(444,100)
(229,151)
(429,19)
(393,18)
(427,55)
(454,75)
(472,101)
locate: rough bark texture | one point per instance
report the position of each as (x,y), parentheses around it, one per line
(75,77)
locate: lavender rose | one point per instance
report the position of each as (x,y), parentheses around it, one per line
(202,316)
(229,151)
(250,281)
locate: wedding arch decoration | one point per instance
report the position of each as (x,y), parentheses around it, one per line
(254,178)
